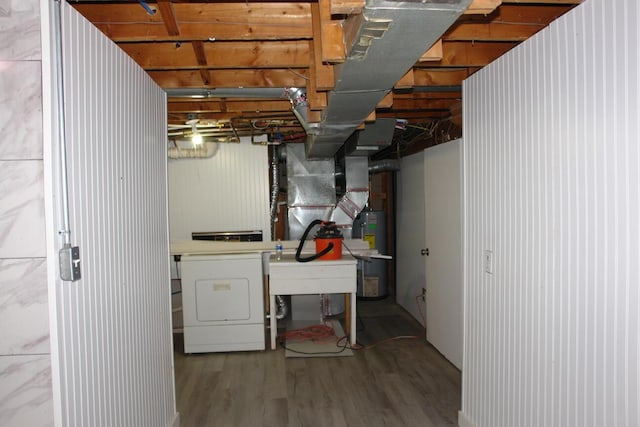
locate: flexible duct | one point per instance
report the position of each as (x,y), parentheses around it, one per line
(384,166)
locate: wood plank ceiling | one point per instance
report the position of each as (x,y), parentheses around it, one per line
(271,44)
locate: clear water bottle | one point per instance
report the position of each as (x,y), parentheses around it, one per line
(278,250)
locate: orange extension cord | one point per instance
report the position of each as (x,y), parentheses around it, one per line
(313,332)
(324,332)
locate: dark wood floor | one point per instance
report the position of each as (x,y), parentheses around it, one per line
(403,382)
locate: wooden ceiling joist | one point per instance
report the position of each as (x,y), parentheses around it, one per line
(201,57)
(204,21)
(253,54)
(460,54)
(482,6)
(231,78)
(169,17)
(230,105)
(433,54)
(491,32)
(333,50)
(324,77)
(267,44)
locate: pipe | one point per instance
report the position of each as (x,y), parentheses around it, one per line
(298,99)
(282,308)
(206,150)
(62,138)
(240,92)
(275,190)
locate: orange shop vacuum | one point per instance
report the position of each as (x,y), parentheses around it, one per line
(328,242)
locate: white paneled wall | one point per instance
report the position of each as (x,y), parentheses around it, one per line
(114,324)
(227,192)
(552,188)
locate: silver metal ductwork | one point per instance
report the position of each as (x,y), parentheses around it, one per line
(356,193)
(311,190)
(383,43)
(373,138)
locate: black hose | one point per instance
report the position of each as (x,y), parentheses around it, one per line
(304,238)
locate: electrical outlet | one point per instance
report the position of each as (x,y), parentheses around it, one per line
(69,258)
(424,294)
(488,261)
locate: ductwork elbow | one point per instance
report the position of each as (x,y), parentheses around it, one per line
(298,98)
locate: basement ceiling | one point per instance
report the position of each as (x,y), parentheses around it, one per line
(233,50)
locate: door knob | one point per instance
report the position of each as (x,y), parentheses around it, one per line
(424,252)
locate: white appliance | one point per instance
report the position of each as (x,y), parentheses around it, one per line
(222,302)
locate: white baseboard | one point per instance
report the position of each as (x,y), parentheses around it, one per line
(464,421)
(176,420)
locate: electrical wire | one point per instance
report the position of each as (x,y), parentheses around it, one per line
(302,76)
(312,333)
(375,344)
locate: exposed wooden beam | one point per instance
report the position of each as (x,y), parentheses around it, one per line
(333,49)
(427,95)
(405,81)
(414,116)
(203,21)
(386,102)
(315,100)
(314,116)
(440,76)
(491,32)
(201,57)
(230,105)
(533,14)
(346,7)
(251,54)
(463,54)
(324,77)
(230,78)
(425,104)
(169,18)
(433,54)
(482,6)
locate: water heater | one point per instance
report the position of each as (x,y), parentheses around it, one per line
(372,275)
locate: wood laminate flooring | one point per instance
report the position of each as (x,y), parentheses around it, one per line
(403,382)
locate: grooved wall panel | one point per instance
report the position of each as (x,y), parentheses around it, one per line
(116,353)
(552,188)
(227,192)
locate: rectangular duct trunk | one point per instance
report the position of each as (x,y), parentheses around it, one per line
(384,42)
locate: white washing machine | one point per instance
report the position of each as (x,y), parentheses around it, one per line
(222,302)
